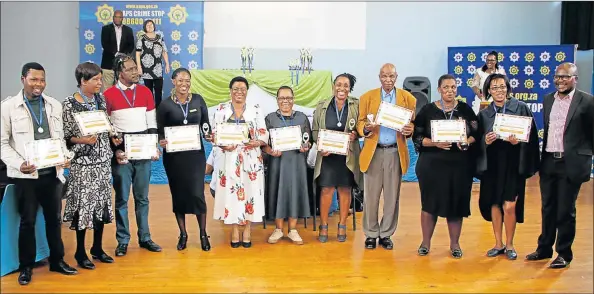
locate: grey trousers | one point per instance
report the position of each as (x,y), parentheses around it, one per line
(385,174)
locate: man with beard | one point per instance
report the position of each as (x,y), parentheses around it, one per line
(566,163)
(31,115)
(116,39)
(131,109)
(384,158)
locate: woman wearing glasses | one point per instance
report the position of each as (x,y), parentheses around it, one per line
(503,165)
(288,196)
(240,195)
(88,195)
(445,169)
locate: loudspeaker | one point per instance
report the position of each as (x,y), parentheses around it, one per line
(422,100)
(420,87)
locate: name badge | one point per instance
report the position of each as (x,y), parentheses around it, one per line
(193,110)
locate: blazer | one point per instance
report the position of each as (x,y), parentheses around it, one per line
(110,44)
(578,137)
(370,103)
(529,151)
(319,122)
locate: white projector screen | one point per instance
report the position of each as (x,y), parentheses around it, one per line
(285,25)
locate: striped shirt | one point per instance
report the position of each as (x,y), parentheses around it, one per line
(557,120)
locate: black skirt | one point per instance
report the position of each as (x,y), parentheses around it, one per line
(185,172)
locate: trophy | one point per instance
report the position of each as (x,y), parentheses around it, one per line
(294,69)
(305,140)
(370,118)
(303,59)
(205,130)
(244,56)
(352,125)
(309,59)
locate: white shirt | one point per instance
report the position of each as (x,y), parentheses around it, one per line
(118,31)
(215,159)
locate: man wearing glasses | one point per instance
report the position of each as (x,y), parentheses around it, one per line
(116,38)
(566,163)
(131,109)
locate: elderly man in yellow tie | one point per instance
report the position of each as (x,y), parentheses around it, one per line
(384,158)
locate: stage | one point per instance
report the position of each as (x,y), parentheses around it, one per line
(330,267)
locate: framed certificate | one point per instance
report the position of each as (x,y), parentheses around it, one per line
(93,122)
(393,116)
(333,141)
(141,146)
(45,153)
(231,134)
(284,139)
(183,138)
(506,125)
(450,131)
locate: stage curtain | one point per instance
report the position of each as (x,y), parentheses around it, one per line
(577,24)
(213,85)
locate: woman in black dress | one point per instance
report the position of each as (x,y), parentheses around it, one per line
(503,166)
(444,170)
(185,169)
(334,171)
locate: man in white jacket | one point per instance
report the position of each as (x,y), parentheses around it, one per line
(28,116)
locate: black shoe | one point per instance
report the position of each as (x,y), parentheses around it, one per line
(121,250)
(182,242)
(422,251)
(493,252)
(150,246)
(559,262)
(101,256)
(456,253)
(511,254)
(84,262)
(63,268)
(538,256)
(235,244)
(204,243)
(386,243)
(25,276)
(370,243)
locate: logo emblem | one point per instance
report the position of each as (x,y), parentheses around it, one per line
(104,14)
(177,14)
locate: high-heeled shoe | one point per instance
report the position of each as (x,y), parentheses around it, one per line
(204,243)
(341,238)
(235,244)
(247,244)
(84,261)
(182,242)
(323,238)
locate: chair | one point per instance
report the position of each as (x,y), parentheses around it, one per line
(9,226)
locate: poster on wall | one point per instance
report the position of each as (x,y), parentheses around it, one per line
(530,70)
(180,24)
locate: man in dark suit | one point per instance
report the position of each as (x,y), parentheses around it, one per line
(566,163)
(116,38)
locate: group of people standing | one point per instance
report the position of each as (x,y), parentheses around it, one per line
(445,170)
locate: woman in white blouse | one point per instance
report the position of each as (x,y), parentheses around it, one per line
(491,67)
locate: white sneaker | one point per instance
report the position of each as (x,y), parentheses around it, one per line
(294,236)
(276,235)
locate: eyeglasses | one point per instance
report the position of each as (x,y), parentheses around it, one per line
(500,88)
(491,60)
(563,77)
(285,99)
(239,89)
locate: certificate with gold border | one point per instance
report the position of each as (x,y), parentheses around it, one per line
(333,141)
(507,124)
(287,138)
(45,153)
(231,134)
(92,122)
(450,131)
(182,138)
(393,116)
(141,146)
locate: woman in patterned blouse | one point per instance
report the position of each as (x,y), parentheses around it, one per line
(88,195)
(151,51)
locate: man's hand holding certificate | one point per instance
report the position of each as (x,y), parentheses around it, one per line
(393,116)
(230,134)
(506,125)
(333,141)
(93,122)
(183,138)
(284,139)
(141,146)
(45,153)
(449,131)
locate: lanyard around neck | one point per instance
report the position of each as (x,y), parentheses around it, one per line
(235,115)
(87,103)
(285,121)
(125,97)
(40,120)
(503,108)
(444,112)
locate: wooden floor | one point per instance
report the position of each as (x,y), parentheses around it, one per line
(330,267)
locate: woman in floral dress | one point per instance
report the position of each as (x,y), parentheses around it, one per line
(88,195)
(241,178)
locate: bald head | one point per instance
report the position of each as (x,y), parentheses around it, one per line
(118,17)
(388,77)
(568,67)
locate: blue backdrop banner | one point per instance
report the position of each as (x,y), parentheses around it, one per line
(181,24)
(530,70)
